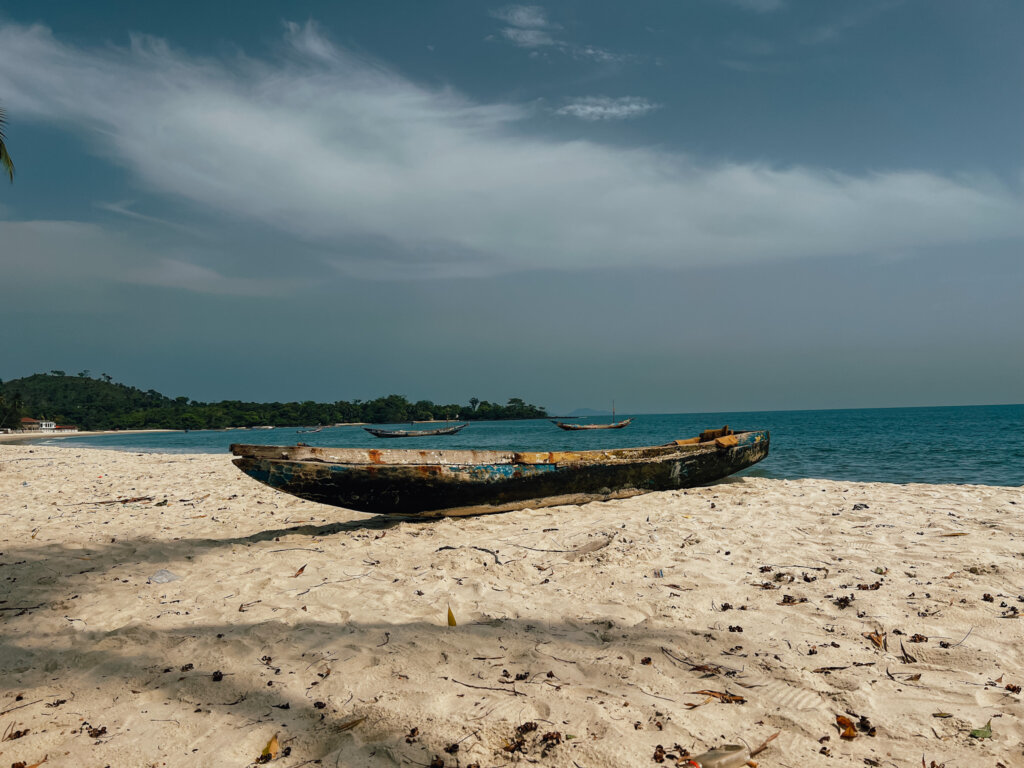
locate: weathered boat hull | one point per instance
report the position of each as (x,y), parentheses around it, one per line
(444,483)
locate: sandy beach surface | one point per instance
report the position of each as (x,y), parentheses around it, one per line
(585,636)
(11,437)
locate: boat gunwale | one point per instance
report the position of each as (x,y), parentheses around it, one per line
(398,457)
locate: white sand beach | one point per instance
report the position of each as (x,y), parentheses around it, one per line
(20,436)
(585,636)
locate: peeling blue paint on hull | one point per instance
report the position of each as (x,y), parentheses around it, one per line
(440,488)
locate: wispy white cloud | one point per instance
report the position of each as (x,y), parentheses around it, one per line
(529,38)
(605,108)
(373,174)
(124,208)
(524,16)
(529,27)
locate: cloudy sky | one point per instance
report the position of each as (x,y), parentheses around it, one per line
(687,206)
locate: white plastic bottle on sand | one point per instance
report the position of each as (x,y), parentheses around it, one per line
(725,756)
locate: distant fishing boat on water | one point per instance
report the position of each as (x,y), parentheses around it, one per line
(414,432)
(573,427)
(576,427)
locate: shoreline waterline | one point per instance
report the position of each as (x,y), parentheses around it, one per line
(966,445)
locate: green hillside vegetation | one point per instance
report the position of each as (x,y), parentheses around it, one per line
(101,403)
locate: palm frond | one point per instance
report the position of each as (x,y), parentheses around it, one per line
(5,159)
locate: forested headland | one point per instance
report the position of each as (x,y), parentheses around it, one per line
(100,403)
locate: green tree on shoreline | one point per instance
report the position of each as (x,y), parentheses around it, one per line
(98,403)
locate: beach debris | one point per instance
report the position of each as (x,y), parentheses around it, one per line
(905,657)
(412,736)
(859,507)
(828,670)
(163,576)
(679,754)
(726,756)
(790,600)
(11,734)
(764,744)
(917,639)
(271,751)
(550,740)
(878,639)
(132,500)
(299,572)
(875,586)
(843,601)
(217,676)
(942,715)
(22,764)
(451,617)
(1012,688)
(982,733)
(723,696)
(847,730)
(350,724)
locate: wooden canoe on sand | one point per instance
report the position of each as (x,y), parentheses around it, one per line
(437,483)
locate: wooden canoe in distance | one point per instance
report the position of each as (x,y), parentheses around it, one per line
(414,432)
(613,425)
(437,483)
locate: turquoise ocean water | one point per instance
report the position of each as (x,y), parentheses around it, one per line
(975,444)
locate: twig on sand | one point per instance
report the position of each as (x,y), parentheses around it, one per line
(512,691)
(491,552)
(765,743)
(654,695)
(695,665)
(116,501)
(534,549)
(20,608)
(808,567)
(964,638)
(29,704)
